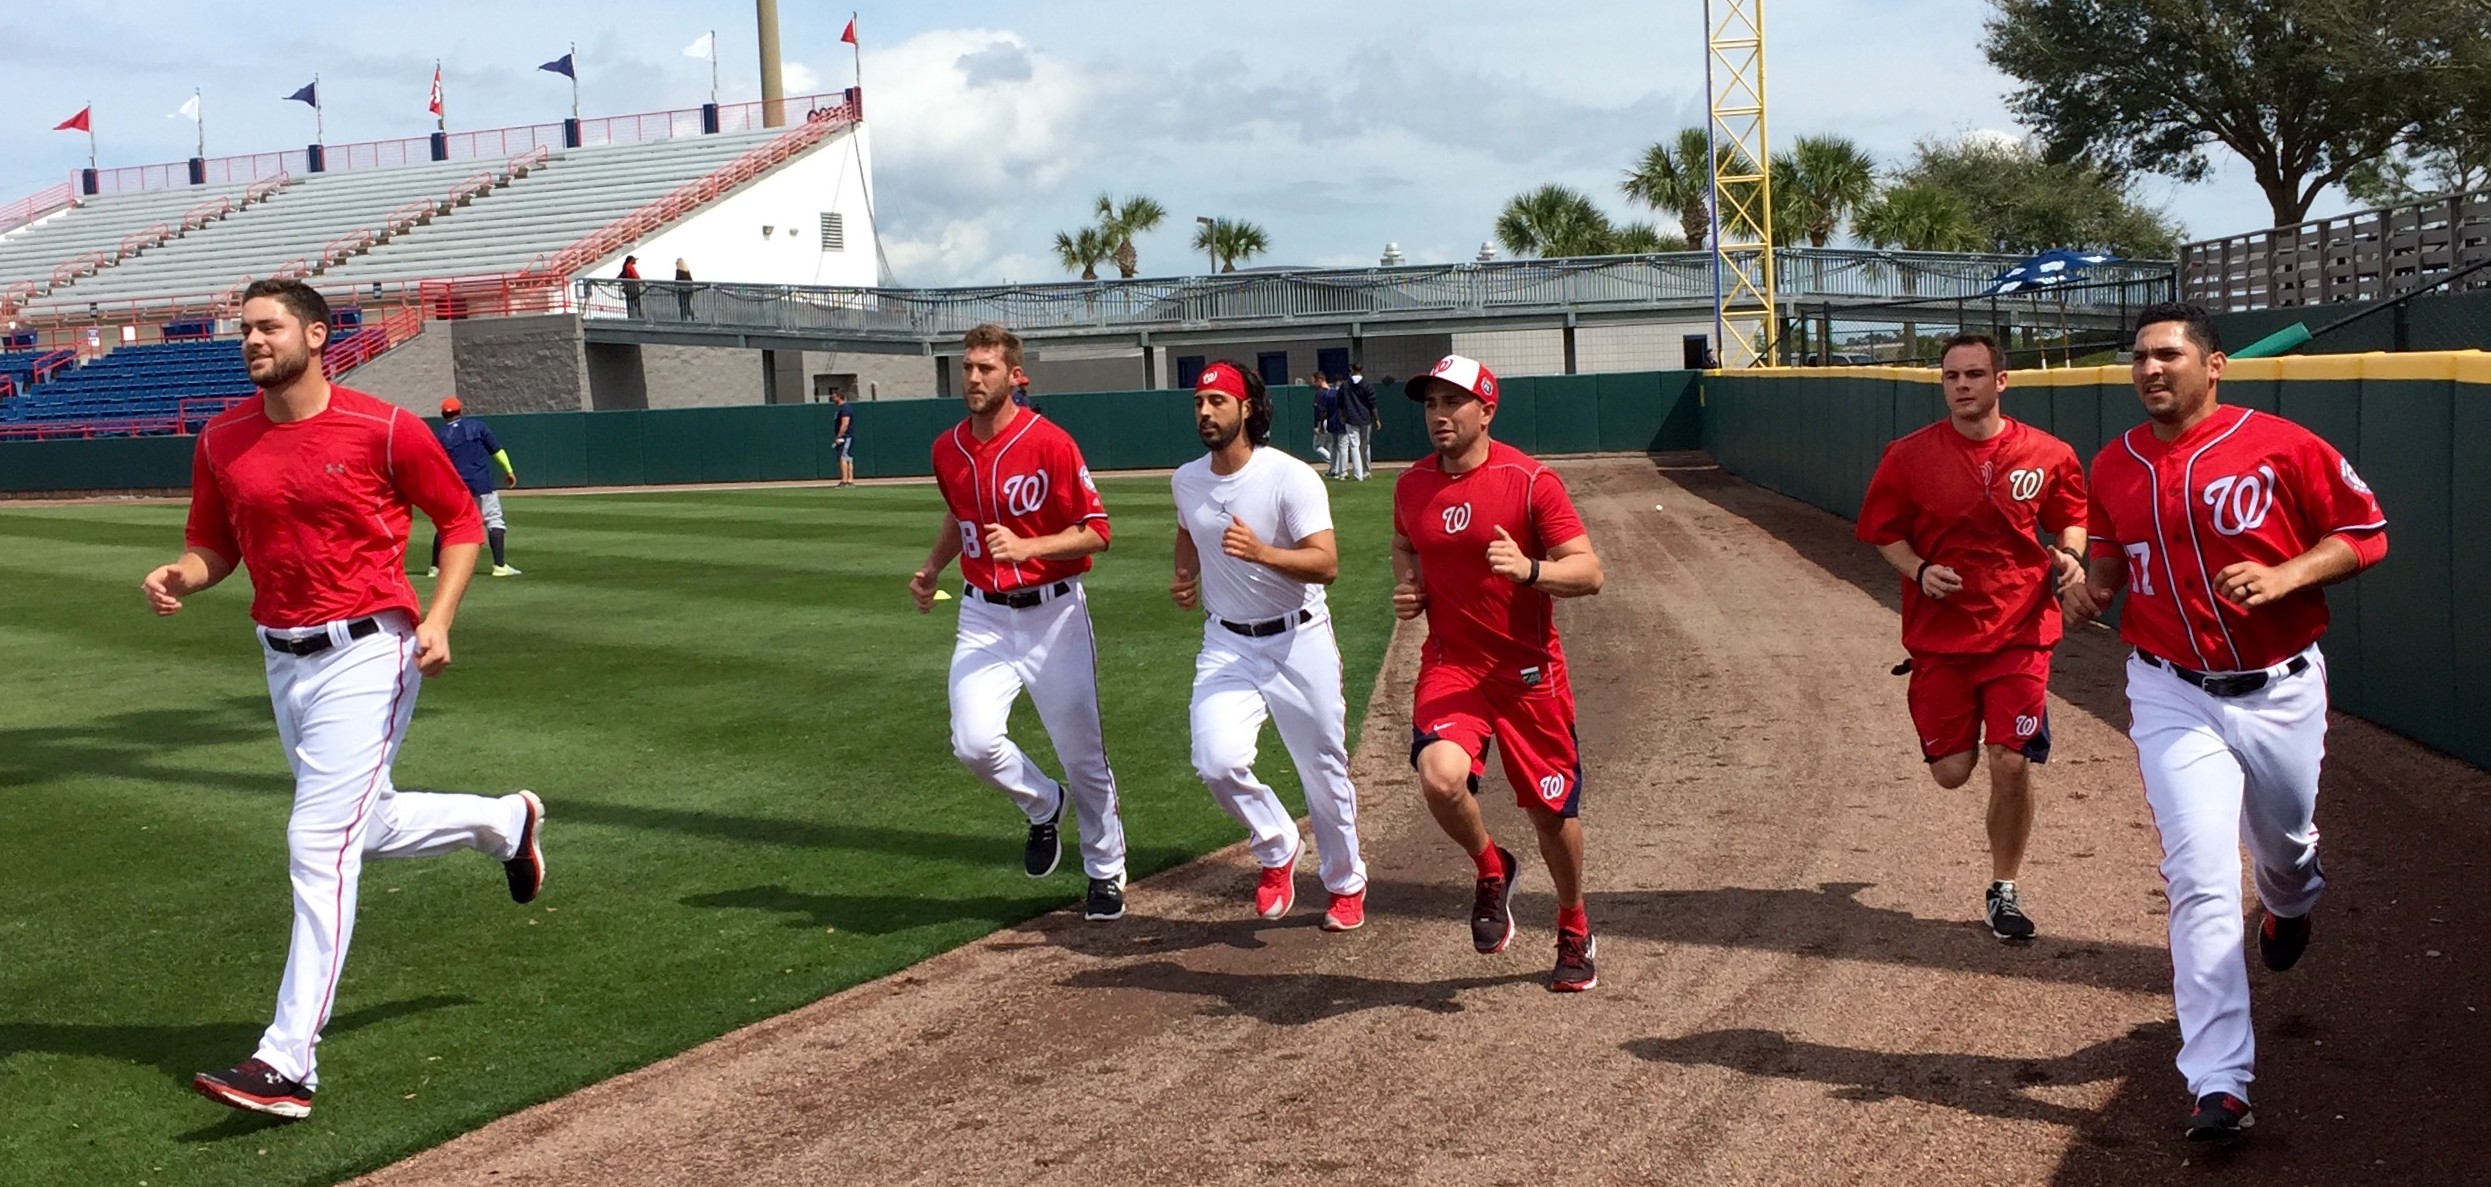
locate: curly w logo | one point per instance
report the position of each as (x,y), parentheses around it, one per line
(2239,502)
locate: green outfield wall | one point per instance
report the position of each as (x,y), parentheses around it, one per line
(2401,651)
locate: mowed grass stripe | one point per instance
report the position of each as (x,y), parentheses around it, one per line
(740,729)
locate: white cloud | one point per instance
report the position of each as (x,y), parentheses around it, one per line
(796,78)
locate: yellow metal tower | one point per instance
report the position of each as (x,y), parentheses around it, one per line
(1745,317)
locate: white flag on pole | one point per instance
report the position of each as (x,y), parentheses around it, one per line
(190,108)
(700,48)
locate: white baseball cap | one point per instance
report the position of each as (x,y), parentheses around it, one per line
(1454,370)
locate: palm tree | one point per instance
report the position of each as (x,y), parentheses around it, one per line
(1554,221)
(1642,239)
(1819,184)
(1118,223)
(1917,216)
(1677,178)
(1231,241)
(1085,249)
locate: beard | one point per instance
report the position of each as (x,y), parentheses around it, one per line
(1216,436)
(983,403)
(283,368)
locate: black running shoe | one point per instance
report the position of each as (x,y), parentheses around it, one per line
(1574,968)
(1492,908)
(1046,843)
(1106,899)
(253,1085)
(526,868)
(2281,941)
(2220,1117)
(2006,914)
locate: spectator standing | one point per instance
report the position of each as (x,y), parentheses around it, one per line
(1360,420)
(683,288)
(843,435)
(1327,404)
(633,286)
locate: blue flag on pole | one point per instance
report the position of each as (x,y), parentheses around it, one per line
(309,94)
(561,66)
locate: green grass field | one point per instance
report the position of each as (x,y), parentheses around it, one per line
(736,719)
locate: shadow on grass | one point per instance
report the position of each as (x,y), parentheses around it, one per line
(1000,848)
(1287,998)
(145,744)
(883,914)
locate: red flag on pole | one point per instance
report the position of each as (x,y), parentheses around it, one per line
(850,35)
(78,122)
(435,106)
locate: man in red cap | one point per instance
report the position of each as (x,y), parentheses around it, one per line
(1484,540)
(477,453)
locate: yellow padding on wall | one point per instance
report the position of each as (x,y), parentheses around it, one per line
(2463,366)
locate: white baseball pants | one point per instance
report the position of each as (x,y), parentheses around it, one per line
(1049,650)
(1294,679)
(341,715)
(2219,771)
(489,505)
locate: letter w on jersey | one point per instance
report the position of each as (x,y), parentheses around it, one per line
(2239,502)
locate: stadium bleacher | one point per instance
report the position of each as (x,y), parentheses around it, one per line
(162,387)
(98,225)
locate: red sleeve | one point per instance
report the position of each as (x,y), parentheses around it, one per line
(2341,503)
(2066,506)
(1552,511)
(1886,511)
(421,471)
(2100,540)
(1075,494)
(211,526)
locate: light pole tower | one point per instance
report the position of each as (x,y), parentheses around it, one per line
(1746,319)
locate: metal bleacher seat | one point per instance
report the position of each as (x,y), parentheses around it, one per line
(97,225)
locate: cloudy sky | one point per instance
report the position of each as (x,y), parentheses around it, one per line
(1338,126)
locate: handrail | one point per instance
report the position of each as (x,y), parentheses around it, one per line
(34,206)
(137,241)
(631,227)
(2362,256)
(293,269)
(259,191)
(344,246)
(469,186)
(198,216)
(47,365)
(81,266)
(410,214)
(522,163)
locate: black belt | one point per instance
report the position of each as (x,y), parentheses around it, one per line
(315,644)
(1261,630)
(2229,684)
(1019,599)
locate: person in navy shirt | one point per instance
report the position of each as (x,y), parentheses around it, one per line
(476,452)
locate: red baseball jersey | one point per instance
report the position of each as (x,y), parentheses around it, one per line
(319,509)
(1975,507)
(2239,485)
(1029,478)
(1476,620)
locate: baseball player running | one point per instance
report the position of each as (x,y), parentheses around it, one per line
(1953,508)
(477,453)
(310,487)
(1024,520)
(2222,524)
(1484,539)
(1255,553)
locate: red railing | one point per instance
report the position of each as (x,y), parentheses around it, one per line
(83,265)
(408,215)
(259,191)
(468,187)
(198,216)
(293,269)
(518,166)
(34,206)
(635,226)
(137,241)
(47,365)
(8,386)
(345,245)
(16,296)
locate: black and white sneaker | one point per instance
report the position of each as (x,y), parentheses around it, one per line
(526,867)
(253,1085)
(2219,1117)
(2006,914)
(1106,900)
(1046,842)
(1492,907)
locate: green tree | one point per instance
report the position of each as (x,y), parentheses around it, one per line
(1676,178)
(2151,84)
(2450,151)
(1084,249)
(1119,222)
(1640,239)
(1231,241)
(1919,216)
(2020,203)
(1819,184)
(1553,221)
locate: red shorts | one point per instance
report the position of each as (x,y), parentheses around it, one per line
(1533,726)
(1957,700)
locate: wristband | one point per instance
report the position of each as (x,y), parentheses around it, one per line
(1920,578)
(1534,578)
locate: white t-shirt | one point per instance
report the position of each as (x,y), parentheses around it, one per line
(1278,496)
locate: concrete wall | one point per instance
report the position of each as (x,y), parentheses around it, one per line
(869,377)
(724,242)
(1644,346)
(519,364)
(1516,352)
(414,374)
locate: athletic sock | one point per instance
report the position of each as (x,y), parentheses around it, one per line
(1491,863)
(1574,919)
(496,536)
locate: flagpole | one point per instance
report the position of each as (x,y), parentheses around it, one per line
(90,133)
(713,67)
(441,118)
(857,48)
(575,81)
(200,117)
(319,118)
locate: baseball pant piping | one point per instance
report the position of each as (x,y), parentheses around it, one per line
(1048,651)
(1294,679)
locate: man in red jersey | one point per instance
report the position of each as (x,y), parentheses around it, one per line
(1024,519)
(1484,540)
(2222,524)
(309,487)
(1954,508)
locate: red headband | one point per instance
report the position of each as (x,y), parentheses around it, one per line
(1222,378)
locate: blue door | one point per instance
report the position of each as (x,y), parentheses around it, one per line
(1188,369)
(1333,361)
(1273,365)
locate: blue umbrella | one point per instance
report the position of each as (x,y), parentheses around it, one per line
(2050,269)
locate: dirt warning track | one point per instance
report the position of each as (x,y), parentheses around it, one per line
(1794,989)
